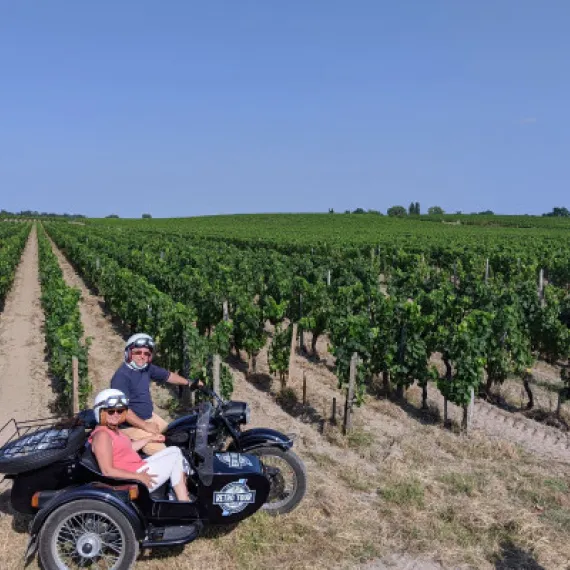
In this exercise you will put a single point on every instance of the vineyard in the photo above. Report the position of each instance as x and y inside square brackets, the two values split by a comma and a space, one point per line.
[438, 316]
[488, 302]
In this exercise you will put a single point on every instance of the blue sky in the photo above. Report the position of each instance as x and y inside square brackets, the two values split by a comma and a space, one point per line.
[182, 108]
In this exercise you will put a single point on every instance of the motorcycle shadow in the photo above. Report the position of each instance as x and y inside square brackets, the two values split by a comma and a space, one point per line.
[20, 522]
[169, 552]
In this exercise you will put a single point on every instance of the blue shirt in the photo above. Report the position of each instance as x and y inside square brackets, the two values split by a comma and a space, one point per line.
[135, 384]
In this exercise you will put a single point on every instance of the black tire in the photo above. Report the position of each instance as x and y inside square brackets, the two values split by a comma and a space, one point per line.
[36, 458]
[95, 522]
[287, 504]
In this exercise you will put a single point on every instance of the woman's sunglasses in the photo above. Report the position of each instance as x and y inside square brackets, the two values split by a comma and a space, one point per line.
[113, 411]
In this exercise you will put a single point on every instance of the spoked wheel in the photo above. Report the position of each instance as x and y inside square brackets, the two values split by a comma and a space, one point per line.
[287, 477]
[87, 534]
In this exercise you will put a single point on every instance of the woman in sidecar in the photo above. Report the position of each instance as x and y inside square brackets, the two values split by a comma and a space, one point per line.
[117, 455]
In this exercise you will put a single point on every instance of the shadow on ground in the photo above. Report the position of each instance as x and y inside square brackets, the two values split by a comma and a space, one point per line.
[20, 522]
[514, 558]
[287, 399]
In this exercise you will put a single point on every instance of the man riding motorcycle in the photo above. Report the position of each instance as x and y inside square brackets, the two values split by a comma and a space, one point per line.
[133, 379]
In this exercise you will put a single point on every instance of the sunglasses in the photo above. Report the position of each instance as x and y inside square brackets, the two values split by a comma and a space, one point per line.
[113, 411]
[141, 352]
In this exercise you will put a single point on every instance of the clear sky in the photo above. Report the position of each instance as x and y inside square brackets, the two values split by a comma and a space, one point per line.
[182, 108]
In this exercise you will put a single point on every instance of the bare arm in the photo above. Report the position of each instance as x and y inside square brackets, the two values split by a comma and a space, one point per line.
[135, 421]
[139, 444]
[103, 450]
[177, 379]
[181, 381]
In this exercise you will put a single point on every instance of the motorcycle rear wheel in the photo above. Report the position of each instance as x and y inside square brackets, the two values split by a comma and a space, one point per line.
[288, 486]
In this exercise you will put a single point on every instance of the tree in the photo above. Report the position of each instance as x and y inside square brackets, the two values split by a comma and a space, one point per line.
[397, 211]
[435, 211]
[112, 216]
[411, 209]
[146, 216]
[359, 211]
[558, 213]
[417, 209]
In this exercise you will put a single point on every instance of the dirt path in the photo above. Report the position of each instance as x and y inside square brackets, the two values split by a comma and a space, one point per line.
[25, 388]
[106, 350]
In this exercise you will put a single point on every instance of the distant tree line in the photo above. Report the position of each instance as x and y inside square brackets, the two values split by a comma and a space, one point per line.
[558, 213]
[36, 214]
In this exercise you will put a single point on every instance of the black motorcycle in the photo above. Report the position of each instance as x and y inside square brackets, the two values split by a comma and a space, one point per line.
[83, 518]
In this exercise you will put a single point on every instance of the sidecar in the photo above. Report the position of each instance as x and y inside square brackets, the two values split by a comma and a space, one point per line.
[81, 517]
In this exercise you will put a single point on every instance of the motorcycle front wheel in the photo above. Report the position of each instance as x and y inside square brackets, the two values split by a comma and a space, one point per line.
[288, 478]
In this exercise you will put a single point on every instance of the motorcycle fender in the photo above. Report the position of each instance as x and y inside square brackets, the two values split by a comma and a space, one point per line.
[89, 492]
[262, 437]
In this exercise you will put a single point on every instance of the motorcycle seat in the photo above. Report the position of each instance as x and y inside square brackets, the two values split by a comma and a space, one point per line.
[89, 461]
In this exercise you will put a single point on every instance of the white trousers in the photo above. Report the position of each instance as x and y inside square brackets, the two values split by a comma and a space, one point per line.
[166, 464]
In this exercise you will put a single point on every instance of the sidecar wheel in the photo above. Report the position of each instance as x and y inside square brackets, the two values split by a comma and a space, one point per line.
[87, 533]
[288, 479]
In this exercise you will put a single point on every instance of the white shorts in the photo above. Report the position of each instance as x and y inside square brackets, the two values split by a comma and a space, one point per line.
[166, 464]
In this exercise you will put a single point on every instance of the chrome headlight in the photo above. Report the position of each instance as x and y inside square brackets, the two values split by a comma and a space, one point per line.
[247, 413]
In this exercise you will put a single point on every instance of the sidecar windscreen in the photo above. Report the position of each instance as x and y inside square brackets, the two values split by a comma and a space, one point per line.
[202, 450]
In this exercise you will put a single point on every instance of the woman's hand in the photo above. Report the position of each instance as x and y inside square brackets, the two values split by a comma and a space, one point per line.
[157, 438]
[151, 427]
[146, 478]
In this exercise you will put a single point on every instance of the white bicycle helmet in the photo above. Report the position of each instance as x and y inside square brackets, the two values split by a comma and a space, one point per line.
[139, 340]
[109, 398]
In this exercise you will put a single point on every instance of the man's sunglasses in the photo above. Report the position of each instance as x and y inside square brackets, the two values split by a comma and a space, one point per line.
[141, 352]
[113, 411]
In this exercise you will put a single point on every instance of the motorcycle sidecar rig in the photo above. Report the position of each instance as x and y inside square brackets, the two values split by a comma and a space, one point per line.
[81, 517]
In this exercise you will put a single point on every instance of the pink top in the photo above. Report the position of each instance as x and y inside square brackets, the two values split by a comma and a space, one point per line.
[124, 456]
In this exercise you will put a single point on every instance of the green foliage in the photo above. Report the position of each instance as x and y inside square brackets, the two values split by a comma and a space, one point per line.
[558, 213]
[63, 328]
[279, 352]
[397, 211]
[13, 238]
[400, 289]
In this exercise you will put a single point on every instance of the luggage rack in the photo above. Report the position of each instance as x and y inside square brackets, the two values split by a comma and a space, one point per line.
[23, 437]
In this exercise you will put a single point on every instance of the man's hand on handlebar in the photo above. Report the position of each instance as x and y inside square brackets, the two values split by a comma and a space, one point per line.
[196, 384]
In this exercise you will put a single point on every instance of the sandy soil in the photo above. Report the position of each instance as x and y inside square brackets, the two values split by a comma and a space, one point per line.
[25, 388]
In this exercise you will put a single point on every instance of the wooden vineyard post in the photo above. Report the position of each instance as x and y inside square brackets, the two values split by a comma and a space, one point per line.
[216, 373]
[333, 414]
[350, 395]
[75, 386]
[541, 287]
[301, 337]
[487, 271]
[329, 278]
[455, 274]
[468, 411]
[304, 389]
[225, 311]
[292, 353]
[185, 394]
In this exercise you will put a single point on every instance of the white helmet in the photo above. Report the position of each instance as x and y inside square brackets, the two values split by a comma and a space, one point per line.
[139, 340]
[108, 398]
